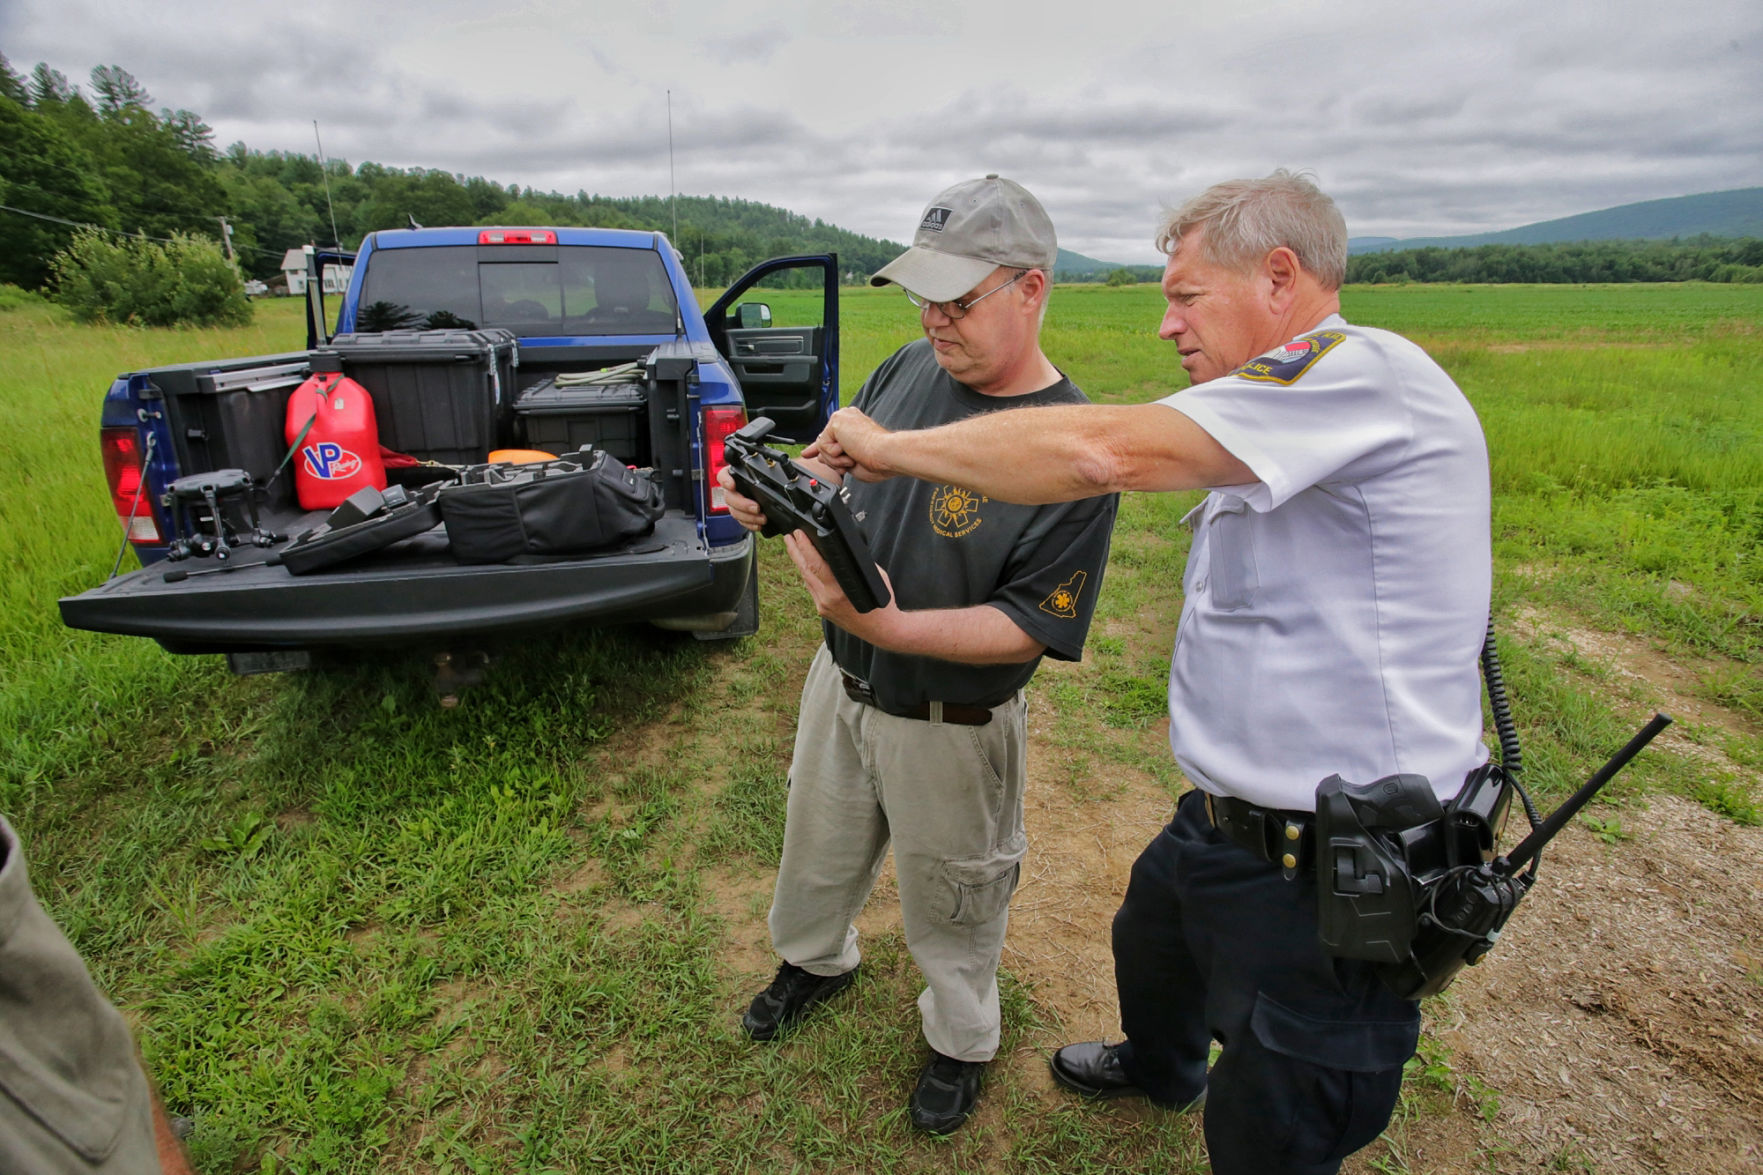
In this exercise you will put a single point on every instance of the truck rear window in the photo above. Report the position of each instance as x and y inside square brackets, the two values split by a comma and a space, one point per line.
[556, 290]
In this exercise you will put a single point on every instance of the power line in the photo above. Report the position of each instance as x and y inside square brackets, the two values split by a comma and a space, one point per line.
[119, 232]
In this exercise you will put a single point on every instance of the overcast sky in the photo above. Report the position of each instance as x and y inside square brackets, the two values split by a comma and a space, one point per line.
[1420, 119]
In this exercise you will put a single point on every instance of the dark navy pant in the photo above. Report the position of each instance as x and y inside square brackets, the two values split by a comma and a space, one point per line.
[1212, 943]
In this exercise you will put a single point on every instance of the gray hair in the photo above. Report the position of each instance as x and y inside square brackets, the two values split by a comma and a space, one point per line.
[1244, 220]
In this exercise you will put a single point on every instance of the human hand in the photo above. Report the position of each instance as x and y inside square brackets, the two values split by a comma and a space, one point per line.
[851, 443]
[741, 508]
[830, 600]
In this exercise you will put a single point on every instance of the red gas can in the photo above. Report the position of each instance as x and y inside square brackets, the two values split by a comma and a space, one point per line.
[330, 421]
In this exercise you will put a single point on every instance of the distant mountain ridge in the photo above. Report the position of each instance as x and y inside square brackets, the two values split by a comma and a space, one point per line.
[1734, 213]
[1077, 263]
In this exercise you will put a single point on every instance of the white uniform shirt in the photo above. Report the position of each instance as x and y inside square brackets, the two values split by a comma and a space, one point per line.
[1335, 608]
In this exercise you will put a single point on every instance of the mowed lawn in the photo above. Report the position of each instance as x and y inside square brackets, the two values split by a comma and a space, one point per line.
[360, 932]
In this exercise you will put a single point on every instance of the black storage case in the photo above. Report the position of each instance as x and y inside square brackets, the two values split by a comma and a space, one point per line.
[613, 417]
[234, 419]
[438, 395]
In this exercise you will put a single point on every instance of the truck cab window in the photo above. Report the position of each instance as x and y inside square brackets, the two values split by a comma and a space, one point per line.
[567, 290]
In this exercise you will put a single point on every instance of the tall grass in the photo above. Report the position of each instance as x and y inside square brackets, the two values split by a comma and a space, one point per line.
[359, 932]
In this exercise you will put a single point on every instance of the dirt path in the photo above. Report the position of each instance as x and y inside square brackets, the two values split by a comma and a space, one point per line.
[1619, 1025]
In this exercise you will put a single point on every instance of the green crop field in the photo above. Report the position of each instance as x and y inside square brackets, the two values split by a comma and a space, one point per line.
[360, 932]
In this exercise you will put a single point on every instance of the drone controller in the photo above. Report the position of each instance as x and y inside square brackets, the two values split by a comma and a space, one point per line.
[795, 499]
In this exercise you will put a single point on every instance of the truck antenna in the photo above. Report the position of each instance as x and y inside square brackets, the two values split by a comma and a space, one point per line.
[325, 171]
[672, 186]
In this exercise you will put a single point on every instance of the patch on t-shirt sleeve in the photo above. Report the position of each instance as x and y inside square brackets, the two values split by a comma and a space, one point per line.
[1062, 601]
[1285, 363]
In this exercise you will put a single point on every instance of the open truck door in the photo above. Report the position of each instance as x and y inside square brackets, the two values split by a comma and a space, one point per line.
[786, 356]
[318, 331]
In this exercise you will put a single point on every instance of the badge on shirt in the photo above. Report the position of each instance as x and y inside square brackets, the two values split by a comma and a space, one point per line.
[1286, 362]
[1063, 600]
[954, 512]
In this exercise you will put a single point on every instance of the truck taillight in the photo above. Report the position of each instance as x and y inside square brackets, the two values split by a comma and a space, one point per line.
[516, 236]
[123, 470]
[718, 424]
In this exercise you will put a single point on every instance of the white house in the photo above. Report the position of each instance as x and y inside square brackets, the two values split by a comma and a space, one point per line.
[336, 277]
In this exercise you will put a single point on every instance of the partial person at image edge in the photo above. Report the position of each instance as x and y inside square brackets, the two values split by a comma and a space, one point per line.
[73, 1097]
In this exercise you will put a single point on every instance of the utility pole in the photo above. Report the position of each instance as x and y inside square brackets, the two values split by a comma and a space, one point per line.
[226, 238]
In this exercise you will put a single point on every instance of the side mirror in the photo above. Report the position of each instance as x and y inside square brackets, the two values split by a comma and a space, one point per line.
[749, 315]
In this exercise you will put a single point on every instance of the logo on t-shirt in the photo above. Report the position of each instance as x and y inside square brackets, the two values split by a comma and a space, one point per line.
[954, 512]
[1286, 362]
[935, 217]
[1063, 601]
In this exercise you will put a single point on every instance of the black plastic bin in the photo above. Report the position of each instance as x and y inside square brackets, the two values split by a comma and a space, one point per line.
[234, 417]
[611, 416]
[438, 395]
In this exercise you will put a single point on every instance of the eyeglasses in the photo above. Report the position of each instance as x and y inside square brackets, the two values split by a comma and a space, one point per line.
[956, 309]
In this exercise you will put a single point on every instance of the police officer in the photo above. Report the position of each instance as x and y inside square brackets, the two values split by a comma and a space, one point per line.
[73, 1098]
[912, 727]
[1335, 598]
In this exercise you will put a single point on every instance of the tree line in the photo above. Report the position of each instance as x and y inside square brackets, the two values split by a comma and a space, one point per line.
[1700, 258]
[106, 159]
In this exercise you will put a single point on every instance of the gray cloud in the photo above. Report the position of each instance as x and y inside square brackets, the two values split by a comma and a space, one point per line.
[1420, 121]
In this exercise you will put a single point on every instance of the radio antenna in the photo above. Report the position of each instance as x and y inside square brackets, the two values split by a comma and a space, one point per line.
[325, 171]
[672, 185]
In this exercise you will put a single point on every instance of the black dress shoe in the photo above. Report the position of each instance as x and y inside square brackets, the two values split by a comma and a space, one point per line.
[792, 995]
[1093, 1069]
[946, 1093]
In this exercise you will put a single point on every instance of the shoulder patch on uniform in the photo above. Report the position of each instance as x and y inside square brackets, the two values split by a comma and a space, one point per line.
[1285, 363]
[1062, 602]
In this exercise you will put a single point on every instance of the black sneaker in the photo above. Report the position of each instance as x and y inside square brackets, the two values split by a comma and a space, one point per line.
[946, 1093]
[791, 996]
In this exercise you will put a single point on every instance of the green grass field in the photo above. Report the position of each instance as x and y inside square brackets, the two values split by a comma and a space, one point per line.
[359, 932]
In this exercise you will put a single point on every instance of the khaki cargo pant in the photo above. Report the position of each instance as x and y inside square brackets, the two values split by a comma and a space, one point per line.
[950, 799]
[73, 1098]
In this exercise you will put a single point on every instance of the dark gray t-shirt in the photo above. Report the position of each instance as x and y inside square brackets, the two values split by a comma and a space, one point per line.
[945, 547]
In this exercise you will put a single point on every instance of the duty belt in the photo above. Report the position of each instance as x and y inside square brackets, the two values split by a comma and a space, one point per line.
[1279, 837]
[957, 713]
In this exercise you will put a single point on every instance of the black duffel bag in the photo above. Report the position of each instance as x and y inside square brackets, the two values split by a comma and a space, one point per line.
[563, 507]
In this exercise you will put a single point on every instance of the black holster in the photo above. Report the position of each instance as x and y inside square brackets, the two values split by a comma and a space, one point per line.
[1403, 881]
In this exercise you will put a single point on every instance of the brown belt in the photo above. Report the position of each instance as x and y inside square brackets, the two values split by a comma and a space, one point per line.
[1276, 836]
[956, 713]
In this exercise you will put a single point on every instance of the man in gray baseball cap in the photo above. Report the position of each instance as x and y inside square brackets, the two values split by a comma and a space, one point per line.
[968, 231]
[912, 724]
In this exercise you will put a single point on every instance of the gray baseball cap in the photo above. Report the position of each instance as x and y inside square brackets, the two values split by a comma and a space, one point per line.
[966, 232]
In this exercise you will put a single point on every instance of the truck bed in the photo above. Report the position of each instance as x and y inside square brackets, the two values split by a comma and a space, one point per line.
[415, 589]
[452, 333]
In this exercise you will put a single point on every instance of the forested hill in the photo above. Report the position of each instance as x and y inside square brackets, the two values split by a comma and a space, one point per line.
[718, 236]
[69, 158]
[102, 157]
[1735, 213]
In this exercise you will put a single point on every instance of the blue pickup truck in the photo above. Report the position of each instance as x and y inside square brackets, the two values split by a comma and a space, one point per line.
[461, 335]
